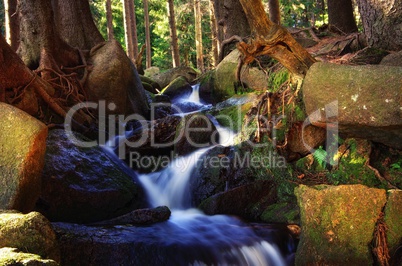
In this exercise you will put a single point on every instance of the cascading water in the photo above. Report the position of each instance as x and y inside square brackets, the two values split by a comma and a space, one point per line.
[216, 240]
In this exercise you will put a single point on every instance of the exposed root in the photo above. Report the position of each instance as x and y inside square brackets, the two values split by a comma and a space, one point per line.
[380, 246]
[378, 174]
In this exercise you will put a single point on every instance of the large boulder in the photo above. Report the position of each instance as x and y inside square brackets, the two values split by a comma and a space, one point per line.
[113, 78]
[247, 201]
[82, 184]
[22, 152]
[12, 257]
[224, 82]
[338, 224]
[30, 233]
[362, 101]
[167, 77]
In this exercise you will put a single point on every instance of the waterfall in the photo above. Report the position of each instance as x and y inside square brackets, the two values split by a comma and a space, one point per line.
[218, 239]
[195, 94]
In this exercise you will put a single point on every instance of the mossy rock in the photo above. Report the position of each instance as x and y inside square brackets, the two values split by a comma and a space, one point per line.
[393, 212]
[177, 88]
[22, 157]
[282, 212]
[13, 257]
[338, 223]
[30, 233]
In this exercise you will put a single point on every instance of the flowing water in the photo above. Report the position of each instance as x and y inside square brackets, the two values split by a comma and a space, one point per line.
[213, 240]
[198, 239]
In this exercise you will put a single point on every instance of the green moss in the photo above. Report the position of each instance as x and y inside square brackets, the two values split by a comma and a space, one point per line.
[232, 117]
[283, 212]
[276, 79]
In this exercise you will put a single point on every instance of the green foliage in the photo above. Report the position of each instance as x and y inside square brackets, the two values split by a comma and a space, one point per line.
[303, 13]
[320, 155]
[277, 78]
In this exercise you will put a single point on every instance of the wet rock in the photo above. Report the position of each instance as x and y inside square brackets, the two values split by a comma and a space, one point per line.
[12, 257]
[167, 77]
[364, 101]
[282, 213]
[247, 201]
[140, 217]
[22, 152]
[150, 147]
[30, 233]
[194, 132]
[177, 88]
[337, 224]
[114, 79]
[393, 211]
[82, 184]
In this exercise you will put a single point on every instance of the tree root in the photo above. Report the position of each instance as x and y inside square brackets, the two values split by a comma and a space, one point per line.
[380, 246]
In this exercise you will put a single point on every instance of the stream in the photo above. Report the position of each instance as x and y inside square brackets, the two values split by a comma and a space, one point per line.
[218, 239]
[189, 237]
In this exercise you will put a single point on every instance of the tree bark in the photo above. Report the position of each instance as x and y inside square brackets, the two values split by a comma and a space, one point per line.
[40, 42]
[11, 24]
[274, 11]
[198, 35]
[130, 29]
[382, 22]
[340, 16]
[147, 36]
[214, 34]
[173, 34]
[83, 35]
[109, 19]
[273, 40]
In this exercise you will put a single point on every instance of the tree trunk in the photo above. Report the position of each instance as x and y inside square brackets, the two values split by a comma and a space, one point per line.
[40, 42]
[147, 36]
[232, 21]
[382, 22]
[11, 24]
[198, 35]
[83, 35]
[130, 29]
[274, 11]
[214, 34]
[109, 19]
[340, 16]
[173, 34]
[273, 40]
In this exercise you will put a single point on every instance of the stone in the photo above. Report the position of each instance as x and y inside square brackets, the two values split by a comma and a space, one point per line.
[140, 217]
[393, 211]
[362, 101]
[114, 79]
[393, 59]
[12, 257]
[179, 87]
[225, 82]
[194, 132]
[30, 233]
[22, 153]
[83, 184]
[247, 201]
[338, 224]
[167, 77]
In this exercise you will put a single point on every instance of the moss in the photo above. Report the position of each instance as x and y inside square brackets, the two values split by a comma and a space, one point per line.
[11, 256]
[283, 212]
[393, 220]
[276, 79]
[232, 117]
[338, 223]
